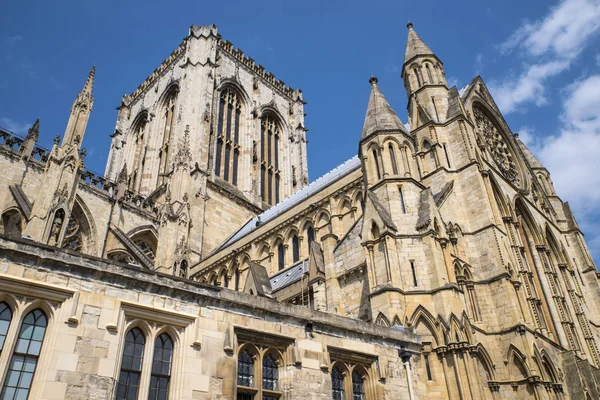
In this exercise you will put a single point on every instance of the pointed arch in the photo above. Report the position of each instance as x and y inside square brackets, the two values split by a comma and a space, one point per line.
[166, 123]
[13, 222]
[232, 103]
[421, 316]
[271, 139]
[486, 361]
[382, 320]
[517, 365]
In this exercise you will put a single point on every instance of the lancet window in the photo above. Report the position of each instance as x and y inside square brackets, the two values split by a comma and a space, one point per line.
[168, 122]
[228, 135]
[270, 174]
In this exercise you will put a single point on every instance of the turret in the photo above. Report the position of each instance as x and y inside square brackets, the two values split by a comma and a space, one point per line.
[385, 144]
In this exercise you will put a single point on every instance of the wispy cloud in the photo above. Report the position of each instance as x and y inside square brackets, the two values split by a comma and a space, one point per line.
[16, 127]
[571, 155]
[12, 40]
[549, 47]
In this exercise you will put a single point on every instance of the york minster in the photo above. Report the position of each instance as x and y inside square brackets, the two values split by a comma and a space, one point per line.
[437, 263]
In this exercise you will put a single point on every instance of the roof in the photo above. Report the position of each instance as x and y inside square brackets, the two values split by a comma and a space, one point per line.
[415, 45]
[301, 195]
[529, 157]
[289, 276]
[382, 211]
[260, 277]
[380, 115]
[453, 104]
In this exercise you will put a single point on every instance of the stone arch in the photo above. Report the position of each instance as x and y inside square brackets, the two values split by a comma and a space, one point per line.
[499, 199]
[421, 316]
[12, 222]
[375, 231]
[517, 364]
[233, 84]
[382, 320]
[80, 232]
[323, 221]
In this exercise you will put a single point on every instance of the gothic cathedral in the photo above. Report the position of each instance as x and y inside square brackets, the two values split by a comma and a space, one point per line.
[438, 263]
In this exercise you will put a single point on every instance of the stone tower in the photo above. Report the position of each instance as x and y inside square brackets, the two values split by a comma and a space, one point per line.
[236, 130]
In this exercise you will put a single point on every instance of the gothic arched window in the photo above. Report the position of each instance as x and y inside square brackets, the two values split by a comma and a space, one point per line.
[161, 368]
[358, 386]
[270, 374]
[228, 135]
[418, 77]
[139, 155]
[376, 161]
[429, 74]
[131, 365]
[393, 159]
[168, 122]
[295, 248]
[337, 385]
[5, 318]
[280, 256]
[270, 134]
[25, 356]
[245, 369]
[310, 232]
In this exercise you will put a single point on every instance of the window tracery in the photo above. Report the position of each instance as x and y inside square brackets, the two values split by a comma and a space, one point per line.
[270, 173]
[497, 146]
[228, 136]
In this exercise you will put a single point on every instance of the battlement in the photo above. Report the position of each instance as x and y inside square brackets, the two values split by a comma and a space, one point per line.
[259, 70]
[156, 73]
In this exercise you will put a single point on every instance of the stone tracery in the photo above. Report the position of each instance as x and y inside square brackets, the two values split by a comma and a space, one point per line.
[497, 146]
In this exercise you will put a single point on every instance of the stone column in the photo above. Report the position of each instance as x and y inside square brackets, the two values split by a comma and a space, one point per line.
[406, 356]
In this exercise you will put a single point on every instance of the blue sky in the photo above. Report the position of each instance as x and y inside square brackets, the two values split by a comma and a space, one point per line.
[541, 60]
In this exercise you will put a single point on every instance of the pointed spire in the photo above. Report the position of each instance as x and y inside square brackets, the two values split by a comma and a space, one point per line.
[415, 45]
[34, 131]
[89, 83]
[380, 115]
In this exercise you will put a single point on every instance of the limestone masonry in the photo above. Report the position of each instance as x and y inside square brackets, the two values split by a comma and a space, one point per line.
[438, 263]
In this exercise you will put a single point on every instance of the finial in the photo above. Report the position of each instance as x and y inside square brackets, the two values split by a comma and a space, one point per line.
[34, 131]
[409, 25]
[373, 80]
[90, 80]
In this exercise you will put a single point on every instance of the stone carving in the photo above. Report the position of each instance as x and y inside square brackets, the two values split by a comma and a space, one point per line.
[497, 146]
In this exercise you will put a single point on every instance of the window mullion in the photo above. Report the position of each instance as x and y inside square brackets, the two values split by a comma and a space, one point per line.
[144, 388]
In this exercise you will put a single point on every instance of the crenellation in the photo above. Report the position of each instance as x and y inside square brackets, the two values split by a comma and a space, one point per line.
[437, 263]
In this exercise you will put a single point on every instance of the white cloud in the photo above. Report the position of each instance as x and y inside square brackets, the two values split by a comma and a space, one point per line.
[571, 156]
[563, 32]
[551, 44]
[529, 86]
[14, 126]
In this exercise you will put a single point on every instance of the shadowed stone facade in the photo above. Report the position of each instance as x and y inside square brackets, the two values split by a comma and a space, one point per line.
[438, 263]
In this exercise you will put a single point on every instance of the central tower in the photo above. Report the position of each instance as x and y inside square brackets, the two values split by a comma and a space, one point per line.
[212, 137]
